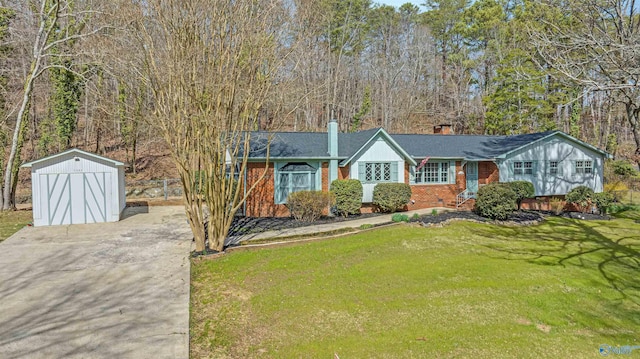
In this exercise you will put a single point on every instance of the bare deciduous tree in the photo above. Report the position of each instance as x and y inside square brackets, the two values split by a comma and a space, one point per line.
[598, 47]
[211, 66]
[48, 13]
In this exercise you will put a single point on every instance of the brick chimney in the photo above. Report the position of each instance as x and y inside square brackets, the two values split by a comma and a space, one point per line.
[443, 129]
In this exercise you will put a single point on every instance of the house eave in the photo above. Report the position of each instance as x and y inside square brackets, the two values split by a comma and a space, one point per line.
[389, 139]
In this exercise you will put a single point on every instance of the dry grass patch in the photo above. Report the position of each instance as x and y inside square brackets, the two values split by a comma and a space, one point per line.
[13, 221]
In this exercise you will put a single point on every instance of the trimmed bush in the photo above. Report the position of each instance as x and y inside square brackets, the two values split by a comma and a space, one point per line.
[390, 197]
[522, 189]
[495, 201]
[307, 206]
[603, 200]
[348, 195]
[399, 217]
[556, 205]
[581, 197]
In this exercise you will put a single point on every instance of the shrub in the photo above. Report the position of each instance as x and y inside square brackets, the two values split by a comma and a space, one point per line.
[581, 197]
[390, 197]
[603, 200]
[366, 226]
[348, 195]
[623, 168]
[556, 205]
[308, 205]
[398, 217]
[496, 201]
[522, 189]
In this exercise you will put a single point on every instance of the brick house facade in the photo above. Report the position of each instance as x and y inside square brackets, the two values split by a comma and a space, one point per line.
[451, 167]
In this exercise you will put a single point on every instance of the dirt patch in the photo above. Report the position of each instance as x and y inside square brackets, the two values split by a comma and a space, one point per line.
[543, 328]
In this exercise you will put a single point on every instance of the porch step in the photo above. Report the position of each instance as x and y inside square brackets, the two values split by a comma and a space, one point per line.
[466, 206]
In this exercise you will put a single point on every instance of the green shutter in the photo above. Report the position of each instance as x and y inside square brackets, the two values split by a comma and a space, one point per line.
[452, 172]
[560, 169]
[534, 168]
[412, 174]
[361, 171]
[394, 171]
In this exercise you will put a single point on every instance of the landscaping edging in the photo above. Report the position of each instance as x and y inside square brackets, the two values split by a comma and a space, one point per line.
[281, 241]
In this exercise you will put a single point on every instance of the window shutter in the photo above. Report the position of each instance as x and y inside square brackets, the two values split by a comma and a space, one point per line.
[510, 170]
[452, 172]
[560, 168]
[361, 171]
[412, 174]
[394, 171]
[534, 168]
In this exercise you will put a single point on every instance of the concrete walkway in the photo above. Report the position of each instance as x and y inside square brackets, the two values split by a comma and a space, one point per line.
[328, 227]
[111, 290]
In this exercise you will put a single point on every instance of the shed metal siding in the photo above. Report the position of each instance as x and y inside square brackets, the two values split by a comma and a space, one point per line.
[565, 153]
[76, 188]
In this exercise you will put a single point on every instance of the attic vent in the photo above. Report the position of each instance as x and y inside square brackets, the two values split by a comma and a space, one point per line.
[77, 164]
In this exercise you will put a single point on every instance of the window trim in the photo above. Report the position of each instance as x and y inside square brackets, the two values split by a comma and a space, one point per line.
[277, 185]
[580, 167]
[420, 176]
[523, 168]
[379, 165]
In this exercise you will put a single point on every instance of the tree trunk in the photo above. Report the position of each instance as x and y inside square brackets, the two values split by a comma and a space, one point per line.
[7, 194]
[632, 116]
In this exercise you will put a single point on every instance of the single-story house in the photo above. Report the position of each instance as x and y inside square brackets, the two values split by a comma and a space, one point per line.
[443, 169]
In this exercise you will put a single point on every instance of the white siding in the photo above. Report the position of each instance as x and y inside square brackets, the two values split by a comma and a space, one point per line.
[565, 153]
[86, 174]
[378, 151]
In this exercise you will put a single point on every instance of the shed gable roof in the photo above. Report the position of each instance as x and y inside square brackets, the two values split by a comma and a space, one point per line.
[75, 152]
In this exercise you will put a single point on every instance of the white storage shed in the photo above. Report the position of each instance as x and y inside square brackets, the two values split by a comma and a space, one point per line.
[74, 187]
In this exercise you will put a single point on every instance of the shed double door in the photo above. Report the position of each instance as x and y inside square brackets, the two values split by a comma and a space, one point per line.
[75, 198]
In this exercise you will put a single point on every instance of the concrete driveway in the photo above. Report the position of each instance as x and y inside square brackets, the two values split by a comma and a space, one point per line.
[114, 290]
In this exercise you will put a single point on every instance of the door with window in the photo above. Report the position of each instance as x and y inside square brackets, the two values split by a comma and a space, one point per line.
[472, 177]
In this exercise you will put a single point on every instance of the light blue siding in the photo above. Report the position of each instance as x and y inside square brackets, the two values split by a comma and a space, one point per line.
[378, 151]
[559, 150]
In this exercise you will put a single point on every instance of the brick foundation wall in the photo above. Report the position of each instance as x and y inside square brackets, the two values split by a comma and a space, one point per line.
[439, 195]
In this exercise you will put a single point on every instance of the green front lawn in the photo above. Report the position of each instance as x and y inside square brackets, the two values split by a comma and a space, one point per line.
[468, 290]
[12, 221]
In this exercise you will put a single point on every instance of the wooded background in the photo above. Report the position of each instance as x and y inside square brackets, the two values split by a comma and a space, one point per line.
[74, 73]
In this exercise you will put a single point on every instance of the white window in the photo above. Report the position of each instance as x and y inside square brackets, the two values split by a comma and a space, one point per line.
[294, 177]
[433, 172]
[584, 166]
[376, 172]
[553, 168]
[523, 168]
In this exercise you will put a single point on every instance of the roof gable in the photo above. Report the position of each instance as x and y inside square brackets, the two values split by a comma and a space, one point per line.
[379, 133]
[562, 135]
[75, 152]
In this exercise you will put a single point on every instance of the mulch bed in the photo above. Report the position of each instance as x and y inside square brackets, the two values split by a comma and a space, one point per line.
[517, 218]
[252, 225]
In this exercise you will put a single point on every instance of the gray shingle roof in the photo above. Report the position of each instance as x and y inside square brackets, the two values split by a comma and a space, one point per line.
[464, 146]
[306, 144]
[314, 144]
